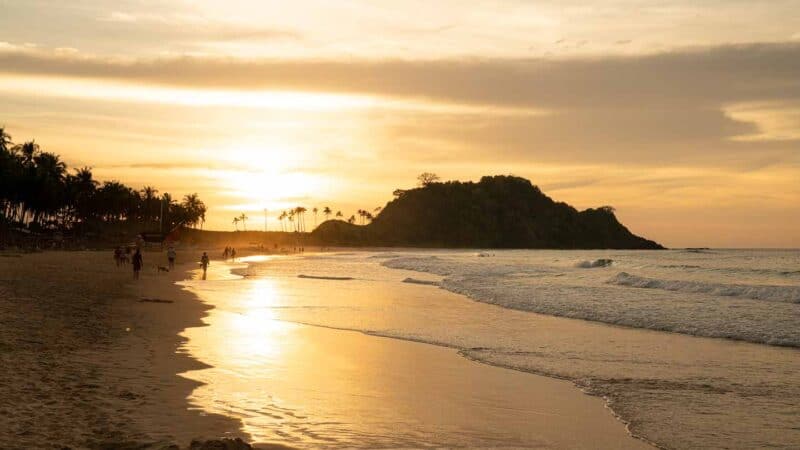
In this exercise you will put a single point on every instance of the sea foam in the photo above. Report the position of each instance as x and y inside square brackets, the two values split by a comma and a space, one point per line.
[760, 314]
[789, 294]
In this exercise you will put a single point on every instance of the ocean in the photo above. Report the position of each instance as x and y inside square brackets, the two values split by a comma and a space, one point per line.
[690, 348]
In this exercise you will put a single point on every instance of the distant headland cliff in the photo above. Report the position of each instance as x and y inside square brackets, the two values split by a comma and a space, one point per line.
[496, 212]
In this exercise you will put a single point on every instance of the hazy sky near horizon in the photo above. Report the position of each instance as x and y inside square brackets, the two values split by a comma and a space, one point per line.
[683, 115]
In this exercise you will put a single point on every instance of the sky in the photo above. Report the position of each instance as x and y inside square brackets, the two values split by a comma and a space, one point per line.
[683, 115]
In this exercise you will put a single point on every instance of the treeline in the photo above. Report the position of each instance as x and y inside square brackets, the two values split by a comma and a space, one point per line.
[38, 193]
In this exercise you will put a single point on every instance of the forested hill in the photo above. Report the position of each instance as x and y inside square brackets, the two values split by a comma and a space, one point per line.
[497, 212]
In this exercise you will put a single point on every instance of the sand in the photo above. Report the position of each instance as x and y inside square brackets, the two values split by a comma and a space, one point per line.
[86, 363]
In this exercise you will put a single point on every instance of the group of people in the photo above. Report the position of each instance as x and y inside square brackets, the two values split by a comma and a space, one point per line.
[123, 256]
[229, 253]
[129, 255]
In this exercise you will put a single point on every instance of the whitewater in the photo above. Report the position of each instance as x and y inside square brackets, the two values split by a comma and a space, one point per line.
[690, 348]
[747, 295]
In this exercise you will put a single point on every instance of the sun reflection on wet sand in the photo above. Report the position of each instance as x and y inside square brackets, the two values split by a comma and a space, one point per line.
[314, 387]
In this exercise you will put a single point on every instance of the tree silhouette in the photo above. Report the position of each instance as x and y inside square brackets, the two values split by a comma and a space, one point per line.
[38, 192]
[236, 222]
[327, 211]
[281, 218]
[425, 179]
[301, 218]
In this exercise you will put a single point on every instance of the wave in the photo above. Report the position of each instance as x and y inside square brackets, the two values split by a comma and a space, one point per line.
[742, 315]
[594, 263]
[319, 277]
[787, 294]
[425, 282]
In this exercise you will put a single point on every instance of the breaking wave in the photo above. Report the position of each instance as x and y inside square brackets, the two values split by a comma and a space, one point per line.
[788, 294]
[595, 263]
[764, 314]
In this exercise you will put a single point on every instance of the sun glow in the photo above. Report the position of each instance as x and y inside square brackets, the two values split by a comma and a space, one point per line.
[270, 178]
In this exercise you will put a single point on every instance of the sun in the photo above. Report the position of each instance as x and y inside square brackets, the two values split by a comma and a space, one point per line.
[271, 178]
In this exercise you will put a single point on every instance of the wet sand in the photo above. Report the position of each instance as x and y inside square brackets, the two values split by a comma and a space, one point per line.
[86, 363]
[315, 387]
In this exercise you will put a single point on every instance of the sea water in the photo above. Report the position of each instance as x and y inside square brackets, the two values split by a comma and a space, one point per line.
[693, 348]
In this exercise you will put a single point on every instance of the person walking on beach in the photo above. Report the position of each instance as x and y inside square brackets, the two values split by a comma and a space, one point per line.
[137, 263]
[204, 262]
[118, 256]
[233, 254]
[171, 255]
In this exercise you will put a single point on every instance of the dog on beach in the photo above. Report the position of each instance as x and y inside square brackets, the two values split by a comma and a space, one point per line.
[162, 269]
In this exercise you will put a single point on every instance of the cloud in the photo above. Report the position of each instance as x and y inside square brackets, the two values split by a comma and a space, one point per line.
[706, 106]
[696, 76]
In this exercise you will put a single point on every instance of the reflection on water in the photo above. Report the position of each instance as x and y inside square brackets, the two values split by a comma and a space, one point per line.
[315, 387]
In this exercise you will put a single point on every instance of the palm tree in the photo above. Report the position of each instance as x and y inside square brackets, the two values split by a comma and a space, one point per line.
[236, 223]
[193, 208]
[339, 214]
[327, 211]
[281, 217]
[244, 219]
[81, 188]
[315, 210]
[37, 191]
[149, 199]
[352, 219]
[301, 218]
[290, 216]
[5, 141]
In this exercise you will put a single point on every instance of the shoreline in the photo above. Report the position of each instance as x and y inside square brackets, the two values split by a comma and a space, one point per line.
[629, 374]
[86, 364]
[533, 384]
[128, 372]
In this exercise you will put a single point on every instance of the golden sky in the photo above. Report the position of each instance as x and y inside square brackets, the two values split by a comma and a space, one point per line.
[684, 115]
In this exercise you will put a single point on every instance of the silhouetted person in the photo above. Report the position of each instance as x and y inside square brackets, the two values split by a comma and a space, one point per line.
[118, 256]
[204, 262]
[171, 255]
[233, 254]
[137, 263]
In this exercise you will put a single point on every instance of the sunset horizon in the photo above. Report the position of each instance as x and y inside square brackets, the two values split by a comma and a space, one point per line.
[689, 132]
[399, 224]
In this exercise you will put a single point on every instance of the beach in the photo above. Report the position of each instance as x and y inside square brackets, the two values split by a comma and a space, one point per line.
[92, 360]
[87, 364]
[343, 350]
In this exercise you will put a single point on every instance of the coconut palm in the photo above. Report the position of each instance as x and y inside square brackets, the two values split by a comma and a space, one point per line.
[301, 218]
[290, 216]
[150, 201]
[327, 211]
[243, 218]
[236, 223]
[37, 191]
[194, 210]
[281, 218]
[339, 214]
[315, 210]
